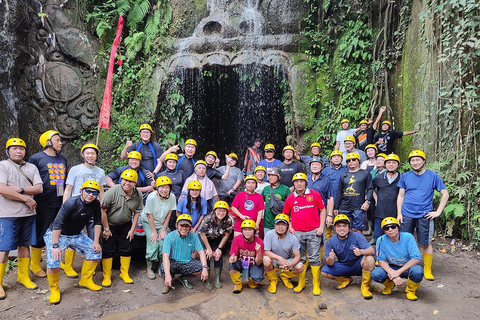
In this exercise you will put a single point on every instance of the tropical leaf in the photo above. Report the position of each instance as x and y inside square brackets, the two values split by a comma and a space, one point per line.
[138, 12]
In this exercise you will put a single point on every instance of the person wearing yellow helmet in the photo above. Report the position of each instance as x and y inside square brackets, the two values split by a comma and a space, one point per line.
[212, 172]
[228, 189]
[260, 173]
[248, 205]
[67, 230]
[214, 233]
[186, 161]
[269, 161]
[159, 207]
[385, 139]
[415, 204]
[379, 164]
[386, 191]
[144, 183]
[194, 204]
[282, 251]
[323, 185]
[315, 150]
[398, 257]
[151, 151]
[177, 258]
[348, 254]
[371, 152]
[307, 213]
[355, 193]
[208, 190]
[350, 148]
[246, 257]
[341, 135]
[17, 210]
[289, 167]
[366, 133]
[252, 156]
[121, 207]
[52, 166]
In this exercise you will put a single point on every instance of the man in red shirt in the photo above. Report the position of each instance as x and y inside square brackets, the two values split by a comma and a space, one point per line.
[307, 215]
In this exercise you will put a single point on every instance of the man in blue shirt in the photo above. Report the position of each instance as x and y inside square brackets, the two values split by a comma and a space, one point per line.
[415, 204]
[348, 254]
[398, 257]
[177, 251]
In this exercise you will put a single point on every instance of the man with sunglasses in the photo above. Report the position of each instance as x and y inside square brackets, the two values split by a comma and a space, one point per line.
[177, 255]
[355, 193]
[398, 257]
[66, 231]
[348, 254]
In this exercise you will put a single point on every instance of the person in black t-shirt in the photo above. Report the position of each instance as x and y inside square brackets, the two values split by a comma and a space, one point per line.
[364, 134]
[289, 167]
[66, 230]
[384, 140]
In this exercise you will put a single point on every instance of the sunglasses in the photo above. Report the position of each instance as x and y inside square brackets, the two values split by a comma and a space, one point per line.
[350, 160]
[393, 227]
[90, 191]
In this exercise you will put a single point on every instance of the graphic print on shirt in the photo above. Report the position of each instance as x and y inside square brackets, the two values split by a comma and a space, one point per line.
[249, 205]
[350, 190]
[56, 172]
[247, 255]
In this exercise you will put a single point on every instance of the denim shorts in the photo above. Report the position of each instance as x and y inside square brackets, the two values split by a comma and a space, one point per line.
[16, 232]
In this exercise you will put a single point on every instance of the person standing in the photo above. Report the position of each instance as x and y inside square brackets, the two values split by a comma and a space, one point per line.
[207, 190]
[150, 150]
[323, 185]
[365, 134]
[350, 148]
[176, 177]
[52, 166]
[384, 140]
[269, 161]
[273, 207]
[341, 135]
[66, 230]
[308, 214]
[210, 159]
[315, 150]
[415, 204]
[186, 163]
[252, 157]
[289, 167]
[398, 257]
[228, 188]
[119, 205]
[260, 173]
[248, 205]
[19, 182]
[155, 217]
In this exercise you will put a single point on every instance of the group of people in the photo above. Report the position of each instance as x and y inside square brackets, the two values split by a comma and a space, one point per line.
[282, 222]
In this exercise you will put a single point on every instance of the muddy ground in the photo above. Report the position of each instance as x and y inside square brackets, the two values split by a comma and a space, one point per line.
[455, 294]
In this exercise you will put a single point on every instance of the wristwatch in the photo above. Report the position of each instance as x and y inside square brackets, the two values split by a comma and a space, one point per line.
[205, 267]
[55, 245]
[22, 191]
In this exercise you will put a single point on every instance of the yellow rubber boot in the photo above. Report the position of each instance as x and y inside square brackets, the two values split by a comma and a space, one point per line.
[365, 287]
[3, 266]
[301, 281]
[286, 275]
[22, 274]
[251, 284]
[107, 272]
[69, 258]
[273, 279]
[411, 289]
[35, 257]
[53, 280]
[237, 282]
[427, 266]
[86, 281]
[124, 267]
[389, 285]
[316, 280]
[344, 282]
[328, 233]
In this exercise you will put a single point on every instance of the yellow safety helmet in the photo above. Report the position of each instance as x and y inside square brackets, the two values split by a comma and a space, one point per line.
[341, 218]
[185, 217]
[211, 153]
[248, 223]
[220, 205]
[194, 185]
[200, 162]
[89, 145]
[363, 121]
[191, 141]
[130, 175]
[163, 181]
[16, 142]
[344, 120]
[315, 144]
[269, 147]
[288, 148]
[349, 138]
[389, 220]
[281, 217]
[91, 184]
[250, 177]
[336, 153]
[145, 126]
[371, 146]
[387, 122]
[382, 155]
[299, 176]
[417, 153]
[260, 168]
[171, 156]
[134, 155]
[47, 135]
[353, 155]
[393, 157]
[233, 155]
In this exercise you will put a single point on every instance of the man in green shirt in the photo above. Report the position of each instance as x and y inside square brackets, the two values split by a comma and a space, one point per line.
[280, 191]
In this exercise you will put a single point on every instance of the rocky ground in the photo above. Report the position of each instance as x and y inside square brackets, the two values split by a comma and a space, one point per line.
[455, 294]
